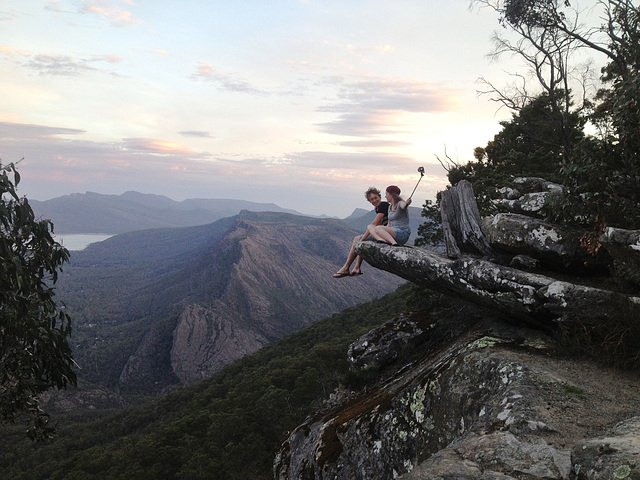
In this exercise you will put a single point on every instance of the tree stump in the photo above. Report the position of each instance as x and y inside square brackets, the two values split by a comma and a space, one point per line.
[461, 222]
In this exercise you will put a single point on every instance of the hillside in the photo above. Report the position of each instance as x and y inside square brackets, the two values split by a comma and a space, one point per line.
[97, 213]
[225, 427]
[163, 307]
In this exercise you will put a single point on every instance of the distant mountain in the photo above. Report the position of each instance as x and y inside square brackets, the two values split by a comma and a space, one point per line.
[97, 213]
[161, 307]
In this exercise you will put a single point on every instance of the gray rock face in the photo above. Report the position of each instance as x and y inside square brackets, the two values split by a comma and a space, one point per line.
[479, 407]
[624, 248]
[529, 195]
[384, 345]
[535, 299]
[204, 342]
[616, 456]
[555, 246]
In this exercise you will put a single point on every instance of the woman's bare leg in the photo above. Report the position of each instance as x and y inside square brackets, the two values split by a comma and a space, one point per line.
[384, 233]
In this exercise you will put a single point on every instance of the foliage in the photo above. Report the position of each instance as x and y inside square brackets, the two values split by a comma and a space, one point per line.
[34, 352]
[615, 343]
[226, 427]
[530, 144]
[430, 231]
[603, 179]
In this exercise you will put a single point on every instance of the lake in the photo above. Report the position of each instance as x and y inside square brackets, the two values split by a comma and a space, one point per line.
[80, 241]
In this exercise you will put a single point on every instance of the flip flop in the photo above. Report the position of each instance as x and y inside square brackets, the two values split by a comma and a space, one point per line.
[341, 275]
[354, 274]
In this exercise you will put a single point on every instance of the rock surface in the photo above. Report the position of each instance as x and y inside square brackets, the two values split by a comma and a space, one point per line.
[488, 399]
[529, 195]
[533, 298]
[557, 247]
[205, 341]
[479, 406]
[624, 248]
[614, 456]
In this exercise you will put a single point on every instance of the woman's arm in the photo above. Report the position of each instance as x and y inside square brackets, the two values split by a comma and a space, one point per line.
[405, 203]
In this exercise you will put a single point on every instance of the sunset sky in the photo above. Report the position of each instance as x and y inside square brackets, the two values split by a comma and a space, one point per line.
[303, 103]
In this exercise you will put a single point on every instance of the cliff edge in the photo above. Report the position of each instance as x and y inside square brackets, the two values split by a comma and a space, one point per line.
[492, 393]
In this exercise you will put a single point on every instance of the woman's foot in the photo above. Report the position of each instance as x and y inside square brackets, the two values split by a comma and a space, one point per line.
[355, 272]
[341, 274]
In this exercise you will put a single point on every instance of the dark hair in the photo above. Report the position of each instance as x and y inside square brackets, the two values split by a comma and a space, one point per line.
[395, 193]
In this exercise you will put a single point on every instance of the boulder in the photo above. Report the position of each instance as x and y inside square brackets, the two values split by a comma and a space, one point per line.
[529, 195]
[624, 248]
[385, 344]
[557, 247]
[616, 456]
[479, 406]
[536, 300]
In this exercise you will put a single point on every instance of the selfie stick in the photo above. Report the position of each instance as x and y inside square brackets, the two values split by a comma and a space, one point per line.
[421, 170]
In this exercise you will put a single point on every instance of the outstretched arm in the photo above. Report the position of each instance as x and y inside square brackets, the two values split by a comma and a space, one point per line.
[405, 203]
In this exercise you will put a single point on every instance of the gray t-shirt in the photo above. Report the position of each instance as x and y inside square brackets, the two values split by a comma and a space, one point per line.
[400, 218]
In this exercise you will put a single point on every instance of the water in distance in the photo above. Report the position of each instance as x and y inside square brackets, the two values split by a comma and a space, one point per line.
[80, 241]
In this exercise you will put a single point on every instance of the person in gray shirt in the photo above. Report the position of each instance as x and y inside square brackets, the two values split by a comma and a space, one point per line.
[397, 232]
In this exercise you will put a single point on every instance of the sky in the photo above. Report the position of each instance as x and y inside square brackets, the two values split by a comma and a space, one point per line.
[301, 103]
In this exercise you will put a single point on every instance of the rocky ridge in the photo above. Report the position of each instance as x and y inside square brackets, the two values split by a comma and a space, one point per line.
[193, 300]
[490, 397]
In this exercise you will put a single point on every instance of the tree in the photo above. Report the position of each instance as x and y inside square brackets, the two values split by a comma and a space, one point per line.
[547, 41]
[601, 171]
[35, 355]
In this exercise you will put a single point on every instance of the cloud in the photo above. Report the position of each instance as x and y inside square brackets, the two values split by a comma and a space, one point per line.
[155, 146]
[160, 52]
[375, 107]
[7, 16]
[195, 133]
[111, 12]
[224, 81]
[362, 122]
[25, 132]
[374, 143]
[59, 65]
[8, 50]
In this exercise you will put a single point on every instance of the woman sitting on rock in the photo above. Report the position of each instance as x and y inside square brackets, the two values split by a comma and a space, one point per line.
[398, 231]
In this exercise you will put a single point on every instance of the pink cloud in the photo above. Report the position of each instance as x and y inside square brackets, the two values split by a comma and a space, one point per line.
[111, 12]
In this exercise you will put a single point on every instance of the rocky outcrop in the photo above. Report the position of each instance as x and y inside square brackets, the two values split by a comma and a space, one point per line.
[481, 406]
[204, 342]
[529, 195]
[488, 400]
[555, 247]
[615, 456]
[624, 247]
[537, 300]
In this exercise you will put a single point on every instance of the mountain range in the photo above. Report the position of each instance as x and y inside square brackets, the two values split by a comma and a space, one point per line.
[132, 211]
[157, 308]
[98, 213]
